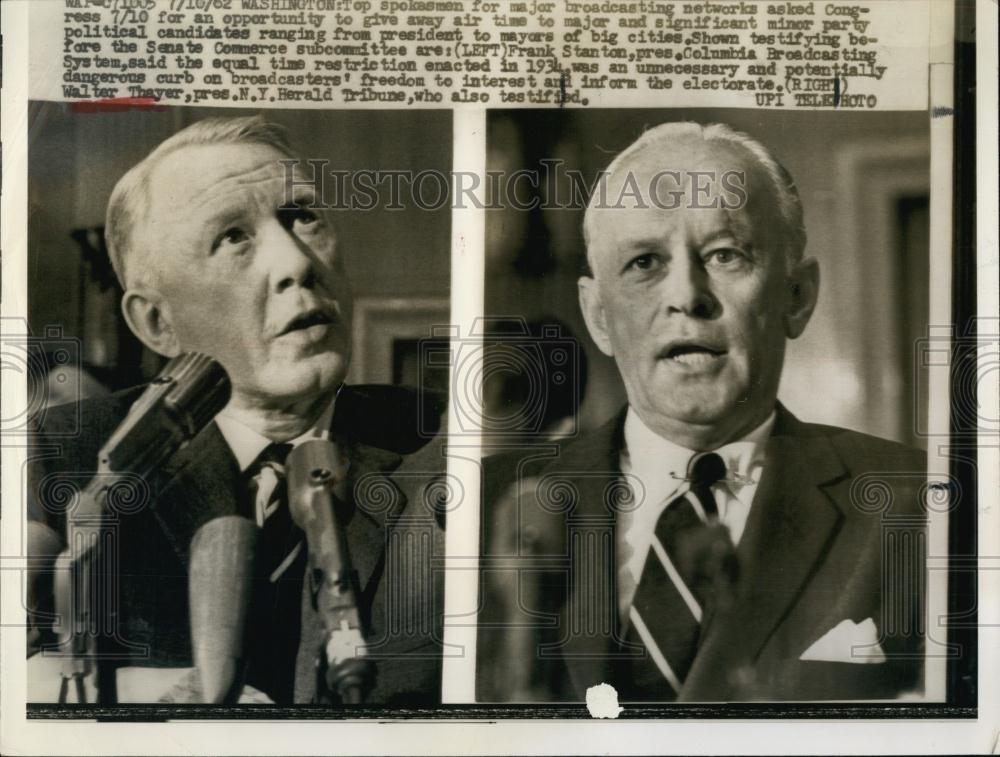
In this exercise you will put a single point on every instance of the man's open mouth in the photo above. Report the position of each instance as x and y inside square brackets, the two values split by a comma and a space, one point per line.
[308, 320]
[692, 354]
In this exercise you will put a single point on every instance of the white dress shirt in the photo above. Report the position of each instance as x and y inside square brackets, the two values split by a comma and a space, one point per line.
[655, 469]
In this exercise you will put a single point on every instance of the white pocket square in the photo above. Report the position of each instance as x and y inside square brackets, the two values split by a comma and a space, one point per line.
[848, 642]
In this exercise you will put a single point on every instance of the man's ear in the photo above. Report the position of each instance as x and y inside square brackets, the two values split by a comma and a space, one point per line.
[149, 318]
[593, 313]
[803, 284]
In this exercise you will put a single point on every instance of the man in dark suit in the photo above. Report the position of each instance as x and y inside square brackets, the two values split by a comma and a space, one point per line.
[216, 257]
[704, 544]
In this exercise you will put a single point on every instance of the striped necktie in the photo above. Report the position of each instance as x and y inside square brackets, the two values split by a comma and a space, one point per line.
[689, 553]
[281, 539]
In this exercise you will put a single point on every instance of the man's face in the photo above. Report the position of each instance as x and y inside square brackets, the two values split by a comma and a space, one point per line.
[694, 302]
[259, 288]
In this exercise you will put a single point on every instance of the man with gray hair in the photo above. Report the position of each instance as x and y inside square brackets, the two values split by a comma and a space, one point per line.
[704, 544]
[219, 253]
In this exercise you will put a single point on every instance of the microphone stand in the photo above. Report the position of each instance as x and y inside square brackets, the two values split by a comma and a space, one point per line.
[86, 609]
[345, 673]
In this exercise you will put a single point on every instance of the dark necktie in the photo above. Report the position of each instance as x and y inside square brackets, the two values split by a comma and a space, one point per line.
[275, 621]
[675, 592]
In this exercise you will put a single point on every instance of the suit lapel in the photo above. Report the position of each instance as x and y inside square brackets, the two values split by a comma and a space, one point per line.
[791, 525]
[589, 618]
[375, 500]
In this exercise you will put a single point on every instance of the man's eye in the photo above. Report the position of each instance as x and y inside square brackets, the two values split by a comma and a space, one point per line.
[299, 216]
[231, 236]
[304, 215]
[643, 263]
[725, 256]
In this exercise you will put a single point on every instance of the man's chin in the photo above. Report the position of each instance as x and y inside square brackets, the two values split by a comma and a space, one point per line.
[699, 420]
[701, 414]
[309, 379]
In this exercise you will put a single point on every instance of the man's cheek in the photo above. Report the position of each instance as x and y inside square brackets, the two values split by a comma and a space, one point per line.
[624, 341]
[635, 313]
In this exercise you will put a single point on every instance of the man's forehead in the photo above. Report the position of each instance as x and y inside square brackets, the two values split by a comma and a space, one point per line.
[704, 186]
[195, 173]
[627, 227]
[675, 164]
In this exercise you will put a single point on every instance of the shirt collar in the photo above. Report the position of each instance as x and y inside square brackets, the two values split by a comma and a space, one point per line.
[745, 456]
[648, 451]
[247, 443]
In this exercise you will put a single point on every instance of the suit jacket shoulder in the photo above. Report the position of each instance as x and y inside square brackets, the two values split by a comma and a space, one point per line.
[868, 462]
[400, 420]
[858, 449]
[394, 418]
[591, 452]
[862, 459]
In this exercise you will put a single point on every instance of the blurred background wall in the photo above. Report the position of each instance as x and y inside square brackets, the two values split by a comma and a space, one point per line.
[864, 182]
[398, 260]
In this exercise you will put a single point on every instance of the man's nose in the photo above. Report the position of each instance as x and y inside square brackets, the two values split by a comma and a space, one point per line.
[686, 286]
[290, 261]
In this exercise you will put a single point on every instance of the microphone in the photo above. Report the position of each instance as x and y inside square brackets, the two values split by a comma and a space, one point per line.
[187, 394]
[220, 583]
[520, 546]
[184, 398]
[313, 469]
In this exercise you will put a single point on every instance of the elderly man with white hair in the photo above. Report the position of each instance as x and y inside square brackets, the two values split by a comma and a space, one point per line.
[705, 544]
[216, 256]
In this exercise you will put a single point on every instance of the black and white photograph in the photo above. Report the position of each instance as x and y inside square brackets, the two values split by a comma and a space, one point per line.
[497, 377]
[189, 265]
[717, 380]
